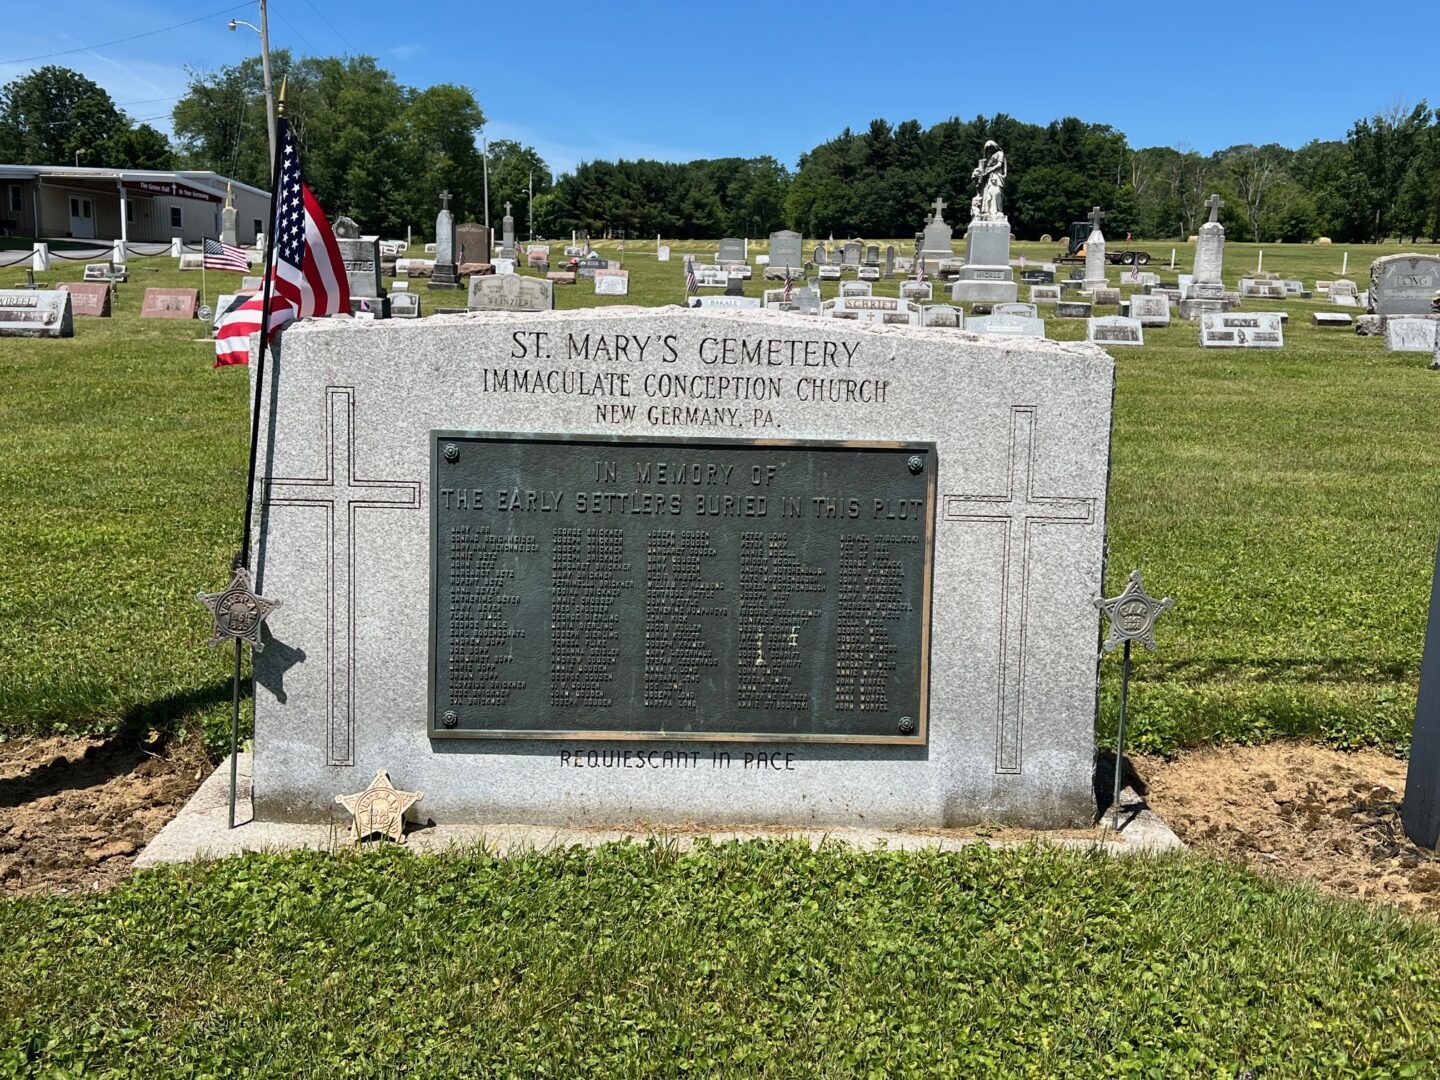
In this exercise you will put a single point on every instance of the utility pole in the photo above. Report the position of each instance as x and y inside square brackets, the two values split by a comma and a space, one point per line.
[530, 207]
[485, 170]
[264, 31]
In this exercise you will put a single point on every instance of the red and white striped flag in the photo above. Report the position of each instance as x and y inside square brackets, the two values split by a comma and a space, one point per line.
[220, 256]
[307, 274]
[692, 285]
[785, 296]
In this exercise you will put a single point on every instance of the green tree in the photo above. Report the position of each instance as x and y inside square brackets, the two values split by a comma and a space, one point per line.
[50, 113]
[513, 168]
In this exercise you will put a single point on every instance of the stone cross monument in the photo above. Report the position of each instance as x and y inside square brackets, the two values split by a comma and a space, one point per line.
[227, 217]
[507, 235]
[1210, 247]
[445, 275]
[1095, 252]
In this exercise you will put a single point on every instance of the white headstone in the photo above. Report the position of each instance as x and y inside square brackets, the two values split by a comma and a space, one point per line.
[1242, 330]
[1409, 335]
[1114, 330]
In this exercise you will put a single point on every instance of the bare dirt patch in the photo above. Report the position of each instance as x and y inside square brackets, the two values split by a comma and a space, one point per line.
[1301, 811]
[74, 812]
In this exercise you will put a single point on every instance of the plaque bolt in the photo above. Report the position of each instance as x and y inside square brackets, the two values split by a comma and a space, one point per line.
[449, 719]
[907, 726]
[452, 452]
[916, 463]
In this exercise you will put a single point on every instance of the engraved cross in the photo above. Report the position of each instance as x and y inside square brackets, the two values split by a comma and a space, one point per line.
[939, 205]
[1214, 203]
[1019, 511]
[340, 493]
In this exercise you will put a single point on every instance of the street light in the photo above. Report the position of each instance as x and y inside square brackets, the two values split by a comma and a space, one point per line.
[264, 31]
[77, 156]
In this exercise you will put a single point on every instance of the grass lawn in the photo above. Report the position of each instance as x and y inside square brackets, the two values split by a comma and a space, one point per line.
[763, 959]
[1287, 500]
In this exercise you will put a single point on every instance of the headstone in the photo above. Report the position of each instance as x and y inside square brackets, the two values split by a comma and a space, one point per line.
[917, 290]
[1342, 293]
[610, 282]
[252, 282]
[1250, 288]
[837, 257]
[662, 253]
[821, 258]
[169, 303]
[88, 298]
[1210, 245]
[1105, 297]
[36, 313]
[223, 305]
[560, 277]
[413, 268]
[829, 273]
[510, 292]
[1016, 308]
[1150, 310]
[1032, 275]
[538, 253]
[361, 256]
[740, 587]
[889, 261]
[1242, 330]
[1095, 253]
[1206, 290]
[1294, 287]
[1114, 330]
[1323, 287]
[227, 217]
[730, 302]
[936, 240]
[868, 273]
[105, 272]
[943, 316]
[872, 255]
[1072, 309]
[1006, 325]
[1404, 284]
[732, 250]
[445, 275]
[1409, 335]
[888, 310]
[1420, 810]
[192, 260]
[473, 242]
[904, 264]
[1044, 294]
[712, 277]
[1332, 319]
[503, 266]
[1194, 310]
[587, 266]
[851, 255]
[404, 305]
[507, 234]
[856, 288]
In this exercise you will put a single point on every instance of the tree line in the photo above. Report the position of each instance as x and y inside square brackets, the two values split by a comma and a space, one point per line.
[381, 152]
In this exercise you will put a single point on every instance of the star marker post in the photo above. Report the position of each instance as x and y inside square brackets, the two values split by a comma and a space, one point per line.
[1132, 617]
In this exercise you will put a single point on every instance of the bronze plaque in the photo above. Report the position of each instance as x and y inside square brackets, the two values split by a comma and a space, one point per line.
[626, 588]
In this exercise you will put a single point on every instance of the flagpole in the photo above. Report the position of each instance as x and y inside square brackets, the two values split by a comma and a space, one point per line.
[243, 556]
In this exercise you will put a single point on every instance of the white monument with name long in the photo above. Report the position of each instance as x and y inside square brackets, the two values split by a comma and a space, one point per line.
[758, 568]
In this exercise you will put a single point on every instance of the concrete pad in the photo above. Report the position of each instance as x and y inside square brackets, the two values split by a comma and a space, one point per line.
[200, 831]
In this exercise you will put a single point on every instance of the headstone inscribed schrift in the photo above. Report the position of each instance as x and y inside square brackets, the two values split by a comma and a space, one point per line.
[873, 309]
[1114, 330]
[36, 313]
[1242, 330]
[510, 292]
[1404, 284]
[1420, 812]
[926, 483]
[88, 298]
[169, 303]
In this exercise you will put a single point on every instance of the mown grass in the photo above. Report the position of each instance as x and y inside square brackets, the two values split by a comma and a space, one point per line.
[762, 959]
[1287, 500]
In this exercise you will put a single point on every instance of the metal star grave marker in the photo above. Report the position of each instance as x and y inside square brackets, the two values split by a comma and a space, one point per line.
[380, 808]
[1132, 614]
[238, 611]
[1132, 617]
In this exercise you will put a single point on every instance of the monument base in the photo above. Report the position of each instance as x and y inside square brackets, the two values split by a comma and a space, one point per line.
[444, 277]
[987, 243]
[984, 291]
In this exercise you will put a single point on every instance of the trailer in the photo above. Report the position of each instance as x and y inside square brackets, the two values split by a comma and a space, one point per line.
[1080, 232]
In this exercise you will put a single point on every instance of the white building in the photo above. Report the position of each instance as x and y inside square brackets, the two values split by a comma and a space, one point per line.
[49, 201]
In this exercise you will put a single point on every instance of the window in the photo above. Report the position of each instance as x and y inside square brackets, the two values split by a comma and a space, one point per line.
[74, 206]
[129, 211]
[177, 218]
[16, 203]
[259, 226]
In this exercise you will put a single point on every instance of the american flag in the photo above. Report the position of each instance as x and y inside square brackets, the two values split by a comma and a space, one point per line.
[691, 284]
[306, 273]
[785, 295]
[220, 256]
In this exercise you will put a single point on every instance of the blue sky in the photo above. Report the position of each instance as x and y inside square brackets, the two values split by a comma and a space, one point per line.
[733, 77]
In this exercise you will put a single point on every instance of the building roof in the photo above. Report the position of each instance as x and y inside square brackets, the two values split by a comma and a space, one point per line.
[203, 179]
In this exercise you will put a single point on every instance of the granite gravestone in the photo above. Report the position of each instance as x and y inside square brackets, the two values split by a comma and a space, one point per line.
[36, 313]
[612, 282]
[942, 315]
[649, 614]
[1114, 330]
[1095, 253]
[785, 254]
[1150, 310]
[1006, 325]
[1404, 284]
[874, 309]
[445, 274]
[88, 298]
[1415, 334]
[510, 292]
[1044, 294]
[850, 255]
[472, 244]
[1242, 330]
[724, 302]
[936, 240]
[917, 290]
[405, 305]
[1210, 246]
[361, 255]
[732, 250]
[1420, 812]
[169, 303]
[856, 288]
[507, 234]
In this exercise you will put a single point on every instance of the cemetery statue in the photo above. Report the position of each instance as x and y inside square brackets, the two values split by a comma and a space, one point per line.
[989, 177]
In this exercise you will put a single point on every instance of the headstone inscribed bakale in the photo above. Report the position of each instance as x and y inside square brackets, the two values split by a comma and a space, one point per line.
[978, 443]
[724, 302]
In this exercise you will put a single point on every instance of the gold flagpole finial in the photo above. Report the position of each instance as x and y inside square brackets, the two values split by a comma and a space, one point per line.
[280, 106]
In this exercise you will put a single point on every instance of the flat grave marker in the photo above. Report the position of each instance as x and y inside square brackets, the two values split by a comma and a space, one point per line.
[169, 303]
